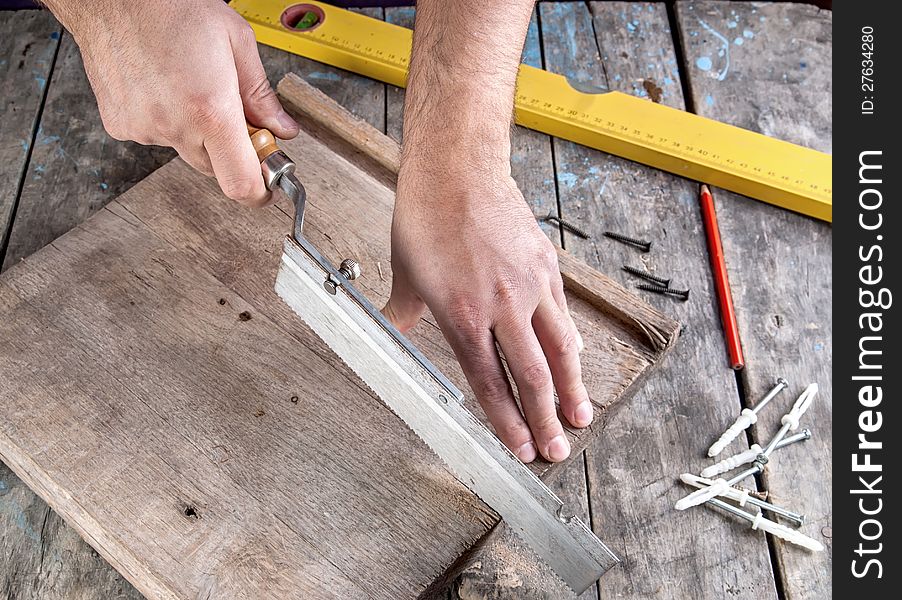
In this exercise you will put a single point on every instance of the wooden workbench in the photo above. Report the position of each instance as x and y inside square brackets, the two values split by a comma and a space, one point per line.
[763, 67]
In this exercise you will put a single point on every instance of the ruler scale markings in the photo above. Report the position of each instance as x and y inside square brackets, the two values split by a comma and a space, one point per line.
[739, 160]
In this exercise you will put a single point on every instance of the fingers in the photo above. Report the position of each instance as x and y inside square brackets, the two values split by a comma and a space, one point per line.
[475, 349]
[196, 156]
[558, 338]
[261, 105]
[404, 307]
[530, 369]
[232, 155]
[557, 290]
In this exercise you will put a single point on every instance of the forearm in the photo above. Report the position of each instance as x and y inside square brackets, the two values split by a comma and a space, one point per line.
[462, 80]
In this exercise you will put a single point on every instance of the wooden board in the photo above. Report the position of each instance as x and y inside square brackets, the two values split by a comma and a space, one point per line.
[664, 430]
[212, 391]
[74, 168]
[28, 45]
[779, 262]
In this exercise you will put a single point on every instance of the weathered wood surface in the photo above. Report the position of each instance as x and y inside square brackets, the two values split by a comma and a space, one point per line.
[249, 461]
[193, 233]
[41, 557]
[75, 168]
[779, 262]
[28, 45]
[664, 430]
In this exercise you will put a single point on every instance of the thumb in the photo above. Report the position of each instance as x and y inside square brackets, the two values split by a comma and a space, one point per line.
[404, 307]
[261, 105]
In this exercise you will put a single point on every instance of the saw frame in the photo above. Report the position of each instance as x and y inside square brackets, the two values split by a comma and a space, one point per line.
[417, 392]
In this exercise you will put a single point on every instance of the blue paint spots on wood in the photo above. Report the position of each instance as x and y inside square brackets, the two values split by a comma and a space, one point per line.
[55, 35]
[703, 63]
[738, 41]
[709, 100]
[568, 179]
[731, 24]
[104, 185]
[748, 33]
[725, 53]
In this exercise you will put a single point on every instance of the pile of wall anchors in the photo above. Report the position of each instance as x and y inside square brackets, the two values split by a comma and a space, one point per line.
[714, 492]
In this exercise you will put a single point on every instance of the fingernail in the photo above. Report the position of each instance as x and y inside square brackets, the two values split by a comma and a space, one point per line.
[579, 342]
[287, 122]
[526, 452]
[558, 449]
[583, 414]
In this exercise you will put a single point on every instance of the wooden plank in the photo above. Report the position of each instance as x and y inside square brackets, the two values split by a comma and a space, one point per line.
[633, 468]
[71, 145]
[28, 45]
[40, 556]
[778, 83]
[203, 256]
[224, 442]
[75, 167]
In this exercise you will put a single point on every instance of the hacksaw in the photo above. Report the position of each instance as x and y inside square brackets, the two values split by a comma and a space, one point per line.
[742, 161]
[415, 390]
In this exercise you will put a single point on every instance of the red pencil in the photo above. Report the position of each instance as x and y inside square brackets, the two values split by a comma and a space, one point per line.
[721, 282]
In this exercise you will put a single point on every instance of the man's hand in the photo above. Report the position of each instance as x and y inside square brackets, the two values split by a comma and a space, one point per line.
[180, 73]
[465, 243]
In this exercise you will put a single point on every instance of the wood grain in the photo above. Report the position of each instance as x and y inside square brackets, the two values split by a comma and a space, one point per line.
[780, 262]
[28, 45]
[75, 167]
[664, 430]
[225, 441]
[209, 376]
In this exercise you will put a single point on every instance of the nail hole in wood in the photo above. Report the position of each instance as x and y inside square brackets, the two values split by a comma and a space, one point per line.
[244, 316]
[294, 399]
[191, 512]
[222, 301]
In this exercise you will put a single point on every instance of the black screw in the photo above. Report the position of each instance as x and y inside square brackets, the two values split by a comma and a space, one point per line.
[646, 275]
[642, 245]
[578, 231]
[660, 289]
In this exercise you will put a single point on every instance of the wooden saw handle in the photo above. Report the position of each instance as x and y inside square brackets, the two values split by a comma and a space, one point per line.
[264, 142]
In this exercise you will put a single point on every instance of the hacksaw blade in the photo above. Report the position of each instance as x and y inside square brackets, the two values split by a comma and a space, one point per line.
[431, 406]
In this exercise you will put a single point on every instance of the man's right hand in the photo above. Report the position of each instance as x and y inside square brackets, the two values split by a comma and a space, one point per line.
[180, 73]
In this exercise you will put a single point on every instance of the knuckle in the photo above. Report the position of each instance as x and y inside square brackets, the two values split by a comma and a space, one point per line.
[206, 109]
[114, 126]
[548, 255]
[244, 33]
[536, 377]
[240, 189]
[465, 314]
[260, 91]
[492, 390]
[506, 292]
[566, 343]
[546, 424]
